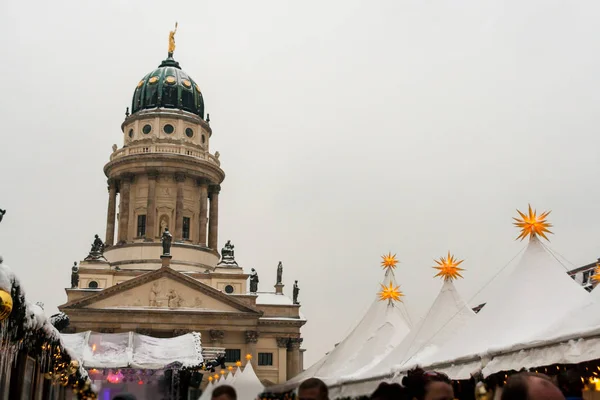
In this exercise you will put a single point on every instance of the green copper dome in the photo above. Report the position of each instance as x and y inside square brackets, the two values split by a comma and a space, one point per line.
[169, 87]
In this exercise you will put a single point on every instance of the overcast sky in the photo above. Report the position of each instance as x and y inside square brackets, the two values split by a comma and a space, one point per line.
[346, 128]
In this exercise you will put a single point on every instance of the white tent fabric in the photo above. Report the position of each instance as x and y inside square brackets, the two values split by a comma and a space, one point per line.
[247, 385]
[447, 315]
[207, 394]
[573, 339]
[381, 329]
[536, 295]
[132, 350]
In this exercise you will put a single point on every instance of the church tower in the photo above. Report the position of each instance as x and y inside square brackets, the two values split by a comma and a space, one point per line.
[165, 176]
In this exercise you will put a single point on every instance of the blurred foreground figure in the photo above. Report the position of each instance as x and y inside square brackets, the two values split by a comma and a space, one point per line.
[528, 386]
[224, 392]
[313, 389]
[124, 396]
[571, 385]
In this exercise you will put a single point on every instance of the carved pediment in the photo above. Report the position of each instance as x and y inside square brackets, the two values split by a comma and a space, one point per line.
[163, 293]
[162, 289]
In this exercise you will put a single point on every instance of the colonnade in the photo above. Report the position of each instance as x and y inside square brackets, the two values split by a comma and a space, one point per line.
[209, 204]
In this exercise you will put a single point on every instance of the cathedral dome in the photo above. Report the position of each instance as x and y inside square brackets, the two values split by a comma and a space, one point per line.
[168, 86]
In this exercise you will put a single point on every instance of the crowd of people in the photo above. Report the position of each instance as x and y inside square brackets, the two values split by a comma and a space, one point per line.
[419, 384]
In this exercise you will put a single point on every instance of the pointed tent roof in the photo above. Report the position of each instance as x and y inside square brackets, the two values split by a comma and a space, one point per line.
[247, 385]
[446, 316]
[384, 326]
[536, 295]
[207, 394]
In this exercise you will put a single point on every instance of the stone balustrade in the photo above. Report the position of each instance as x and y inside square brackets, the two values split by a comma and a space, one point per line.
[163, 148]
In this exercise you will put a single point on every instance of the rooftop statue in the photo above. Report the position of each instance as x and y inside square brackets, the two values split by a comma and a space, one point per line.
[2, 212]
[172, 41]
[74, 276]
[97, 251]
[253, 281]
[166, 240]
[279, 273]
[296, 292]
[227, 256]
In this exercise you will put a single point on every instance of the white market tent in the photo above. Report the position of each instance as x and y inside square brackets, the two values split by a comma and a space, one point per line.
[537, 295]
[381, 329]
[572, 340]
[246, 384]
[447, 315]
[132, 350]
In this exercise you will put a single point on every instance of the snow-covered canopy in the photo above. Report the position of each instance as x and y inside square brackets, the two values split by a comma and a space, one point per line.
[571, 340]
[381, 329]
[536, 295]
[447, 315]
[132, 350]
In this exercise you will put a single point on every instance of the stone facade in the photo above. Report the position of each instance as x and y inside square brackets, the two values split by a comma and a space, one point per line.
[164, 176]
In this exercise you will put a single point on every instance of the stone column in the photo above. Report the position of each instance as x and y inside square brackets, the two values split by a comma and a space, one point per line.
[282, 344]
[213, 220]
[151, 207]
[251, 340]
[293, 355]
[110, 217]
[202, 220]
[124, 208]
[180, 179]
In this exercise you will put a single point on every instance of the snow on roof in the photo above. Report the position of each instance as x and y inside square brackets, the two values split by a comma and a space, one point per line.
[382, 328]
[273, 299]
[536, 295]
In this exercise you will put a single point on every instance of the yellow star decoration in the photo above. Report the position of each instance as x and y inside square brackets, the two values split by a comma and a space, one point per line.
[389, 261]
[532, 224]
[390, 293]
[230, 368]
[248, 356]
[596, 276]
[238, 363]
[210, 378]
[448, 267]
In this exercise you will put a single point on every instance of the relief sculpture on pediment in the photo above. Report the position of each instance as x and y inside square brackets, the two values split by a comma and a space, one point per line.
[174, 299]
[154, 295]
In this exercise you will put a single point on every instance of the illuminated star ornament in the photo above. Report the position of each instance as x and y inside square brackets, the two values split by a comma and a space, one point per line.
[248, 356]
[596, 276]
[391, 293]
[389, 262]
[532, 224]
[448, 267]
[238, 363]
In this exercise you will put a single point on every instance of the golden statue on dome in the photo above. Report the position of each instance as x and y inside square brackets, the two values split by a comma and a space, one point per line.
[172, 41]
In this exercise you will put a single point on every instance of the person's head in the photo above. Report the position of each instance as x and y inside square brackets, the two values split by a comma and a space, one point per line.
[313, 389]
[388, 391]
[224, 392]
[529, 386]
[570, 383]
[427, 385]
